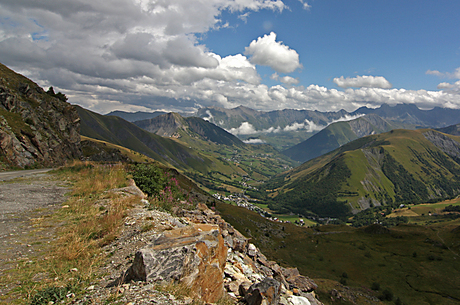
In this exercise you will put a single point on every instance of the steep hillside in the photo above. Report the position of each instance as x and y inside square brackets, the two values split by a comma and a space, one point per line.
[37, 128]
[338, 134]
[236, 166]
[116, 130]
[400, 166]
[174, 125]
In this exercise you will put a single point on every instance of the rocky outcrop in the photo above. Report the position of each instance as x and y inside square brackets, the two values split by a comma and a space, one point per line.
[209, 256]
[193, 255]
[444, 143]
[36, 128]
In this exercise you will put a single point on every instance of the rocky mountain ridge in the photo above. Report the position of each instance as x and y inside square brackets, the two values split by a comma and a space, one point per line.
[173, 125]
[36, 129]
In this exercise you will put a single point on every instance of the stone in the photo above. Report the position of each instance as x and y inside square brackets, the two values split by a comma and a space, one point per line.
[252, 250]
[295, 280]
[194, 256]
[266, 292]
[297, 300]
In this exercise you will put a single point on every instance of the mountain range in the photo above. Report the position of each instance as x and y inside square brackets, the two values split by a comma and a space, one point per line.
[284, 129]
[392, 168]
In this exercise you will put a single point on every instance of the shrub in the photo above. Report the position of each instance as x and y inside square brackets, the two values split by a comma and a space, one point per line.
[149, 178]
[49, 295]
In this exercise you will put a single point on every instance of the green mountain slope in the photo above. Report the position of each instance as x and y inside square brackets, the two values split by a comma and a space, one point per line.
[338, 134]
[118, 131]
[400, 166]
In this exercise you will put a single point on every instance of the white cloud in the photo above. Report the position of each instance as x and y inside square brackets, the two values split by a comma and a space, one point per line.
[306, 6]
[365, 81]
[254, 141]
[309, 126]
[445, 86]
[266, 51]
[124, 49]
[347, 118]
[288, 80]
[210, 118]
[455, 74]
[244, 129]
[145, 55]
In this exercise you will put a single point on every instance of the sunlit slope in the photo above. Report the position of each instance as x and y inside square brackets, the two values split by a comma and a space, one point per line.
[340, 133]
[401, 166]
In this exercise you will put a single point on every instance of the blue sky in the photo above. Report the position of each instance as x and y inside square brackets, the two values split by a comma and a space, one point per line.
[179, 55]
[399, 40]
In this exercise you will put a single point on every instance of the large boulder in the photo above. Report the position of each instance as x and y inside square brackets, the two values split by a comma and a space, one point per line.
[194, 256]
[266, 292]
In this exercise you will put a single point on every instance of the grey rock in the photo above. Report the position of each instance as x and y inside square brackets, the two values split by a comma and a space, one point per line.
[264, 293]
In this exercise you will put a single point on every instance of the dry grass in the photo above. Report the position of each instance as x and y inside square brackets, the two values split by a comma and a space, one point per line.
[92, 218]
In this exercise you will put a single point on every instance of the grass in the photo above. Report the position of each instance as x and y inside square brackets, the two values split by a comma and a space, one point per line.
[425, 213]
[92, 218]
[418, 264]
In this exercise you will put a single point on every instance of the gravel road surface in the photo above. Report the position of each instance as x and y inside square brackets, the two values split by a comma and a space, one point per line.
[22, 202]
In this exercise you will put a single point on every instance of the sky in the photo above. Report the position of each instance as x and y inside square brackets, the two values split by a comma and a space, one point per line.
[181, 55]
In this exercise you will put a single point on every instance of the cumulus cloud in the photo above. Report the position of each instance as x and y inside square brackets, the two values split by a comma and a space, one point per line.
[445, 86]
[122, 49]
[244, 129]
[365, 81]
[309, 126]
[145, 55]
[288, 80]
[266, 51]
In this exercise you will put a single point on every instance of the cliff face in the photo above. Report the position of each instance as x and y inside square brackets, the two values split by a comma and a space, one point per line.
[36, 128]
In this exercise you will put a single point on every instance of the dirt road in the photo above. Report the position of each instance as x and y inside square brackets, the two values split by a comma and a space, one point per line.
[24, 201]
[23, 173]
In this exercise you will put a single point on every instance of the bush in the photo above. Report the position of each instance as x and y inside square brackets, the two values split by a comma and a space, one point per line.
[49, 295]
[149, 178]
